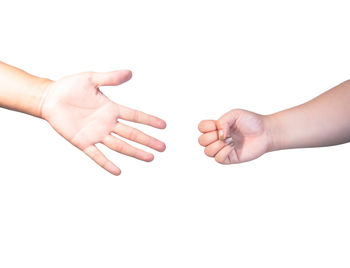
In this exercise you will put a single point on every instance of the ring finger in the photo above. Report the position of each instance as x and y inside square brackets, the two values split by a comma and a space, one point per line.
[136, 135]
[212, 149]
[125, 148]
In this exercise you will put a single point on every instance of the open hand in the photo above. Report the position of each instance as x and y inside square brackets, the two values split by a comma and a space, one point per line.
[238, 136]
[77, 109]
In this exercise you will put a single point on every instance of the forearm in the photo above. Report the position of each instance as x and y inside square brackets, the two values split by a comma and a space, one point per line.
[323, 121]
[21, 91]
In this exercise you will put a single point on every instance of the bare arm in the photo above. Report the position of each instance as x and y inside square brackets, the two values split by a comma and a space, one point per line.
[21, 91]
[323, 121]
[240, 135]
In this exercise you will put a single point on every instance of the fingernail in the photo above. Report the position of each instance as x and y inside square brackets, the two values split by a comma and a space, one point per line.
[228, 140]
[221, 135]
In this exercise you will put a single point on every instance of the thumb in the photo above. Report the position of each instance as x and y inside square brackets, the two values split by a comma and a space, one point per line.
[111, 78]
[224, 123]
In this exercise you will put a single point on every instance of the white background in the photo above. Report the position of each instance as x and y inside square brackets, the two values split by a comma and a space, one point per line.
[191, 60]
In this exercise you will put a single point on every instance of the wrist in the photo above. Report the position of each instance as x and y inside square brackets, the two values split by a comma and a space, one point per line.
[43, 88]
[273, 130]
[21, 91]
[29, 95]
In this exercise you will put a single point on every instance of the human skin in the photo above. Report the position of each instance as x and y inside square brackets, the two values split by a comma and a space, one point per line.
[77, 109]
[239, 135]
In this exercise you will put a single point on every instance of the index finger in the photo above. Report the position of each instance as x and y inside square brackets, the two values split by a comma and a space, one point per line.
[140, 117]
[207, 126]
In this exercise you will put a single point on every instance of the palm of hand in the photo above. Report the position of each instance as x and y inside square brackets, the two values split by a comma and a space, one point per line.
[244, 137]
[79, 111]
[82, 114]
[249, 138]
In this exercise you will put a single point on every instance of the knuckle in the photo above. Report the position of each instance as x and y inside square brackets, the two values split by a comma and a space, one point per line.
[89, 75]
[136, 115]
[94, 155]
[235, 111]
[133, 134]
[136, 153]
[120, 147]
[116, 145]
[104, 163]
[149, 141]
[150, 120]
